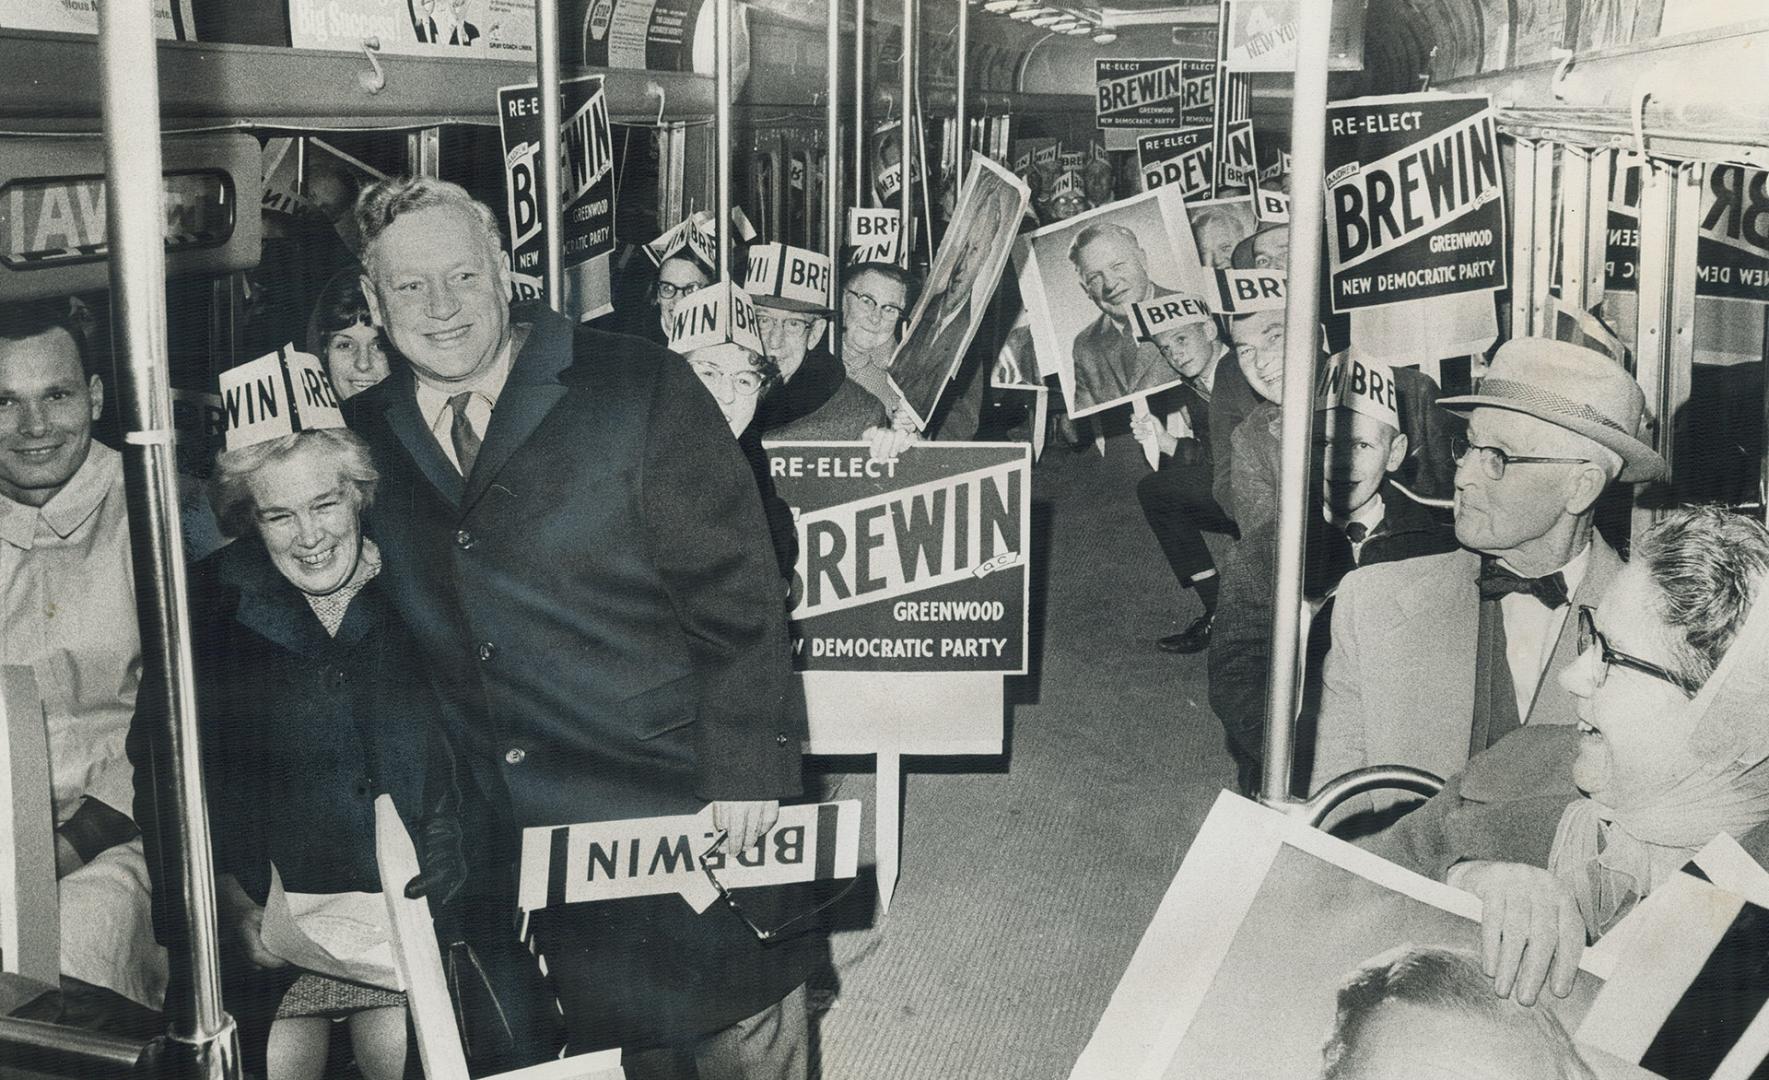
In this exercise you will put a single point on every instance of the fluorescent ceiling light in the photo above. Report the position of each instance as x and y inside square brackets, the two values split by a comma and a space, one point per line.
[1105, 37]
[1024, 14]
[1000, 6]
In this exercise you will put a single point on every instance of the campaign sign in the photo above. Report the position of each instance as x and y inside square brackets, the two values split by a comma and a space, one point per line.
[873, 235]
[280, 393]
[586, 183]
[1415, 202]
[1241, 291]
[613, 860]
[1186, 159]
[912, 564]
[1154, 94]
[1732, 251]
[1271, 207]
[1237, 164]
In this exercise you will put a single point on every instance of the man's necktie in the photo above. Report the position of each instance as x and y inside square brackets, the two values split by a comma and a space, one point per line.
[1495, 582]
[461, 433]
[1356, 532]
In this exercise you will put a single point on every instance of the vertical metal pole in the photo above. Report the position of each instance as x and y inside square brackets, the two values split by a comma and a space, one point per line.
[861, 62]
[546, 58]
[906, 138]
[1542, 254]
[1653, 277]
[722, 128]
[1688, 184]
[423, 152]
[832, 173]
[961, 115]
[1597, 236]
[1577, 216]
[1308, 139]
[196, 1026]
[1523, 237]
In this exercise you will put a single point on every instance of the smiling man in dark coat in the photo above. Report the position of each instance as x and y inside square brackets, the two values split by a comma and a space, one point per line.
[578, 544]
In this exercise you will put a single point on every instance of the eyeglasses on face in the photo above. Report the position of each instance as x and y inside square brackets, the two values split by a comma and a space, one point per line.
[1494, 461]
[1590, 636]
[747, 383]
[669, 290]
[767, 324]
[786, 929]
[872, 305]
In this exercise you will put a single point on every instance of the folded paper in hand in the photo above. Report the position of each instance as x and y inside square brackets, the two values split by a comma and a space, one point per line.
[343, 935]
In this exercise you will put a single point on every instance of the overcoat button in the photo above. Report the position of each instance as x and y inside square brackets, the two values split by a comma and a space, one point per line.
[487, 650]
[464, 540]
[515, 755]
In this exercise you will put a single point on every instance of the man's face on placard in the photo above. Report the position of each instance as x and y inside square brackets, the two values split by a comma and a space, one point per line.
[1114, 272]
[47, 408]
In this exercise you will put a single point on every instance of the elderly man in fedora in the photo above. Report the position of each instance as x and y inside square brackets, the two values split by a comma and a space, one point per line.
[1433, 659]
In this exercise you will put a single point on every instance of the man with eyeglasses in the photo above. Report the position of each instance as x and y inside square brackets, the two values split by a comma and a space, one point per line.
[815, 400]
[874, 300]
[1434, 659]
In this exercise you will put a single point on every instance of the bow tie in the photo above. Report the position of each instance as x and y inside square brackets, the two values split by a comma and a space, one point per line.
[1495, 582]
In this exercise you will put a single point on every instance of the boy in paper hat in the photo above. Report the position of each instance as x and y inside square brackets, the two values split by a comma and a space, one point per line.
[1436, 658]
[1356, 517]
[1178, 498]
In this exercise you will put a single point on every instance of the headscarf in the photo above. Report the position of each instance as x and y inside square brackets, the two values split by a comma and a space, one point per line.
[1611, 857]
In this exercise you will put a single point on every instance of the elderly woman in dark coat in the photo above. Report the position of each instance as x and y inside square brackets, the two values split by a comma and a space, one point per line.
[313, 703]
[1561, 830]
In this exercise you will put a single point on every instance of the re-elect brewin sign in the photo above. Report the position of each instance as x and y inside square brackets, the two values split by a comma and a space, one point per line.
[1415, 204]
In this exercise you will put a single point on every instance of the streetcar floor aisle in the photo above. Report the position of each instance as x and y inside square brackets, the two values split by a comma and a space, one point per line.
[1027, 880]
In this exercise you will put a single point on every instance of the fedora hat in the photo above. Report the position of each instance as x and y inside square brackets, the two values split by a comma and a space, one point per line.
[1572, 387]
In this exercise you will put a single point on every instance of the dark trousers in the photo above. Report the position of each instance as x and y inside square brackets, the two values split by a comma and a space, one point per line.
[1179, 507]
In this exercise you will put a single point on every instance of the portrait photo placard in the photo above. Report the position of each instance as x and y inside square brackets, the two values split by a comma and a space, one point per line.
[1080, 278]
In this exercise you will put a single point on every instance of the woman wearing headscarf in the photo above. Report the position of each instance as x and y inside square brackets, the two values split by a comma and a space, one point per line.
[1562, 830]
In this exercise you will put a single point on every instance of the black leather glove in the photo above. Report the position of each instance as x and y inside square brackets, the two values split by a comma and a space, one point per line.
[442, 855]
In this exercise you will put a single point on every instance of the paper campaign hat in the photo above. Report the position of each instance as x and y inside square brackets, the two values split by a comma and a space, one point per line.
[783, 276]
[1239, 292]
[715, 315]
[1163, 313]
[699, 233]
[1349, 380]
[1572, 387]
[278, 394]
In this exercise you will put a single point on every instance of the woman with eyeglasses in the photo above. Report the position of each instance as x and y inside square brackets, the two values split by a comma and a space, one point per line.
[1561, 830]
[738, 380]
[875, 298]
[678, 275]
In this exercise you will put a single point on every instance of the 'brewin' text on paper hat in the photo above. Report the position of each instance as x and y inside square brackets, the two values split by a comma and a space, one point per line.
[714, 315]
[1575, 388]
[279, 394]
[1170, 312]
[783, 276]
[1239, 292]
[699, 233]
[1363, 385]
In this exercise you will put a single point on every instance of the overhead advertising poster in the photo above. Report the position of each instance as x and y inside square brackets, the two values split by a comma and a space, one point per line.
[1155, 95]
[499, 29]
[586, 187]
[1732, 252]
[1185, 158]
[653, 35]
[912, 564]
[1415, 201]
[1260, 35]
[172, 18]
